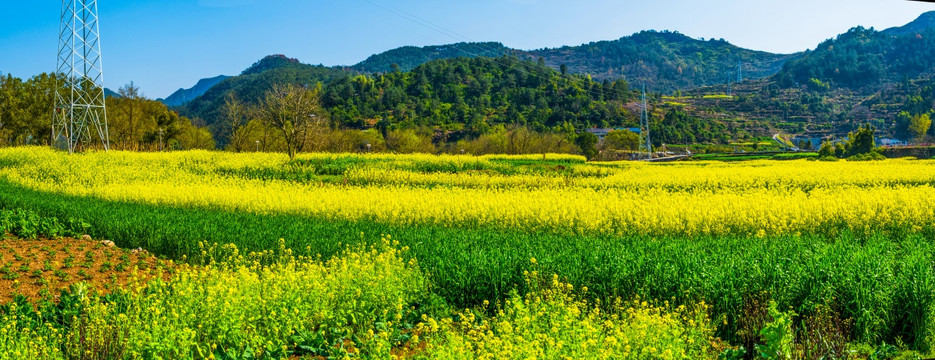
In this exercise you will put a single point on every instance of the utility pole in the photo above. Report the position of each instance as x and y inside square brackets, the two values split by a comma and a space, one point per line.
[79, 92]
[739, 72]
[645, 142]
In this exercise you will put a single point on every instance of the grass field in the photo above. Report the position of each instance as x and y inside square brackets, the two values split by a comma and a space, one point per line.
[842, 243]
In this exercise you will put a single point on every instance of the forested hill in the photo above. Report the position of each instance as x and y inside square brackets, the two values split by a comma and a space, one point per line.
[469, 94]
[474, 94]
[256, 80]
[865, 59]
[665, 61]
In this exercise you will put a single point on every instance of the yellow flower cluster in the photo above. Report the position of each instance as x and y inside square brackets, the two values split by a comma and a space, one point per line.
[553, 322]
[19, 340]
[755, 198]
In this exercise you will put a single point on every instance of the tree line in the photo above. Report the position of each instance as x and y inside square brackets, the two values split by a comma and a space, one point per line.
[462, 97]
[135, 123]
[477, 106]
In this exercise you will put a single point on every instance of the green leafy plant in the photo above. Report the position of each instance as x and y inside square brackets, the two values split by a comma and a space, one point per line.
[777, 335]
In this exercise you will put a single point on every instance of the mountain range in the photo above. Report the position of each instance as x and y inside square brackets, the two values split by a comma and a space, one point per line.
[664, 61]
[863, 74]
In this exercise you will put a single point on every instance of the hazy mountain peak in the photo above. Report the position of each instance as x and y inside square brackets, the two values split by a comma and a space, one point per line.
[183, 96]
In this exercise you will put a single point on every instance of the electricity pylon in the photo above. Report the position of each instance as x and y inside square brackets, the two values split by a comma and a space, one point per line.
[645, 143]
[79, 92]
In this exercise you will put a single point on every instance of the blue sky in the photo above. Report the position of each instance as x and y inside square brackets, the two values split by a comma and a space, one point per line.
[163, 45]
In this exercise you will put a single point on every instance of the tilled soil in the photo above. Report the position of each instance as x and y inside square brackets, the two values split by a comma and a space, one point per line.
[41, 269]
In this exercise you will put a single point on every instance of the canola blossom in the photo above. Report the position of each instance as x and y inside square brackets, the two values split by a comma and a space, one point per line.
[685, 199]
[363, 303]
[708, 236]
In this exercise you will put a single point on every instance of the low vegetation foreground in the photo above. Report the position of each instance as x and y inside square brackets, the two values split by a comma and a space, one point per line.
[221, 255]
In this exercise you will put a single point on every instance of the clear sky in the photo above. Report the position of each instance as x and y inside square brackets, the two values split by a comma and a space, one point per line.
[163, 45]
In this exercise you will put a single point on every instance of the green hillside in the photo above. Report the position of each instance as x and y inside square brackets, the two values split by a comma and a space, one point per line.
[665, 61]
[864, 59]
[474, 94]
[255, 81]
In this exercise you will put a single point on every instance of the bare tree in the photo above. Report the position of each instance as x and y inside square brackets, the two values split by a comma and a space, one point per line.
[126, 113]
[520, 140]
[234, 115]
[294, 110]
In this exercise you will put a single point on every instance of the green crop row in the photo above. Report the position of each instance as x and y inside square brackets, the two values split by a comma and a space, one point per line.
[884, 283]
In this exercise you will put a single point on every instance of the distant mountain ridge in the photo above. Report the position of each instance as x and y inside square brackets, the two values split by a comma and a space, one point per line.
[111, 93]
[183, 96]
[662, 60]
[665, 61]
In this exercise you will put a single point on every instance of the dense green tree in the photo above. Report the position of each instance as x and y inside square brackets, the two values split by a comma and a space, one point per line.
[474, 95]
[127, 120]
[26, 109]
[678, 127]
[587, 142]
[861, 142]
[138, 123]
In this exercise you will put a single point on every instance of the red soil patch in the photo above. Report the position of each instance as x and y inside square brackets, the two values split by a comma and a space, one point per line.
[41, 269]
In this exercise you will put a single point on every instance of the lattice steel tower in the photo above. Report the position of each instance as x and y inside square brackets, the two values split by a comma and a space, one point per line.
[645, 143]
[79, 94]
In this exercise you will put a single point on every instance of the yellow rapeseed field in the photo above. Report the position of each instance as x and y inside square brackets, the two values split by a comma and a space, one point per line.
[753, 198]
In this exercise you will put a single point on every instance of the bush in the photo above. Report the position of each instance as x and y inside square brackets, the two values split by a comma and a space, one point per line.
[826, 150]
[871, 156]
